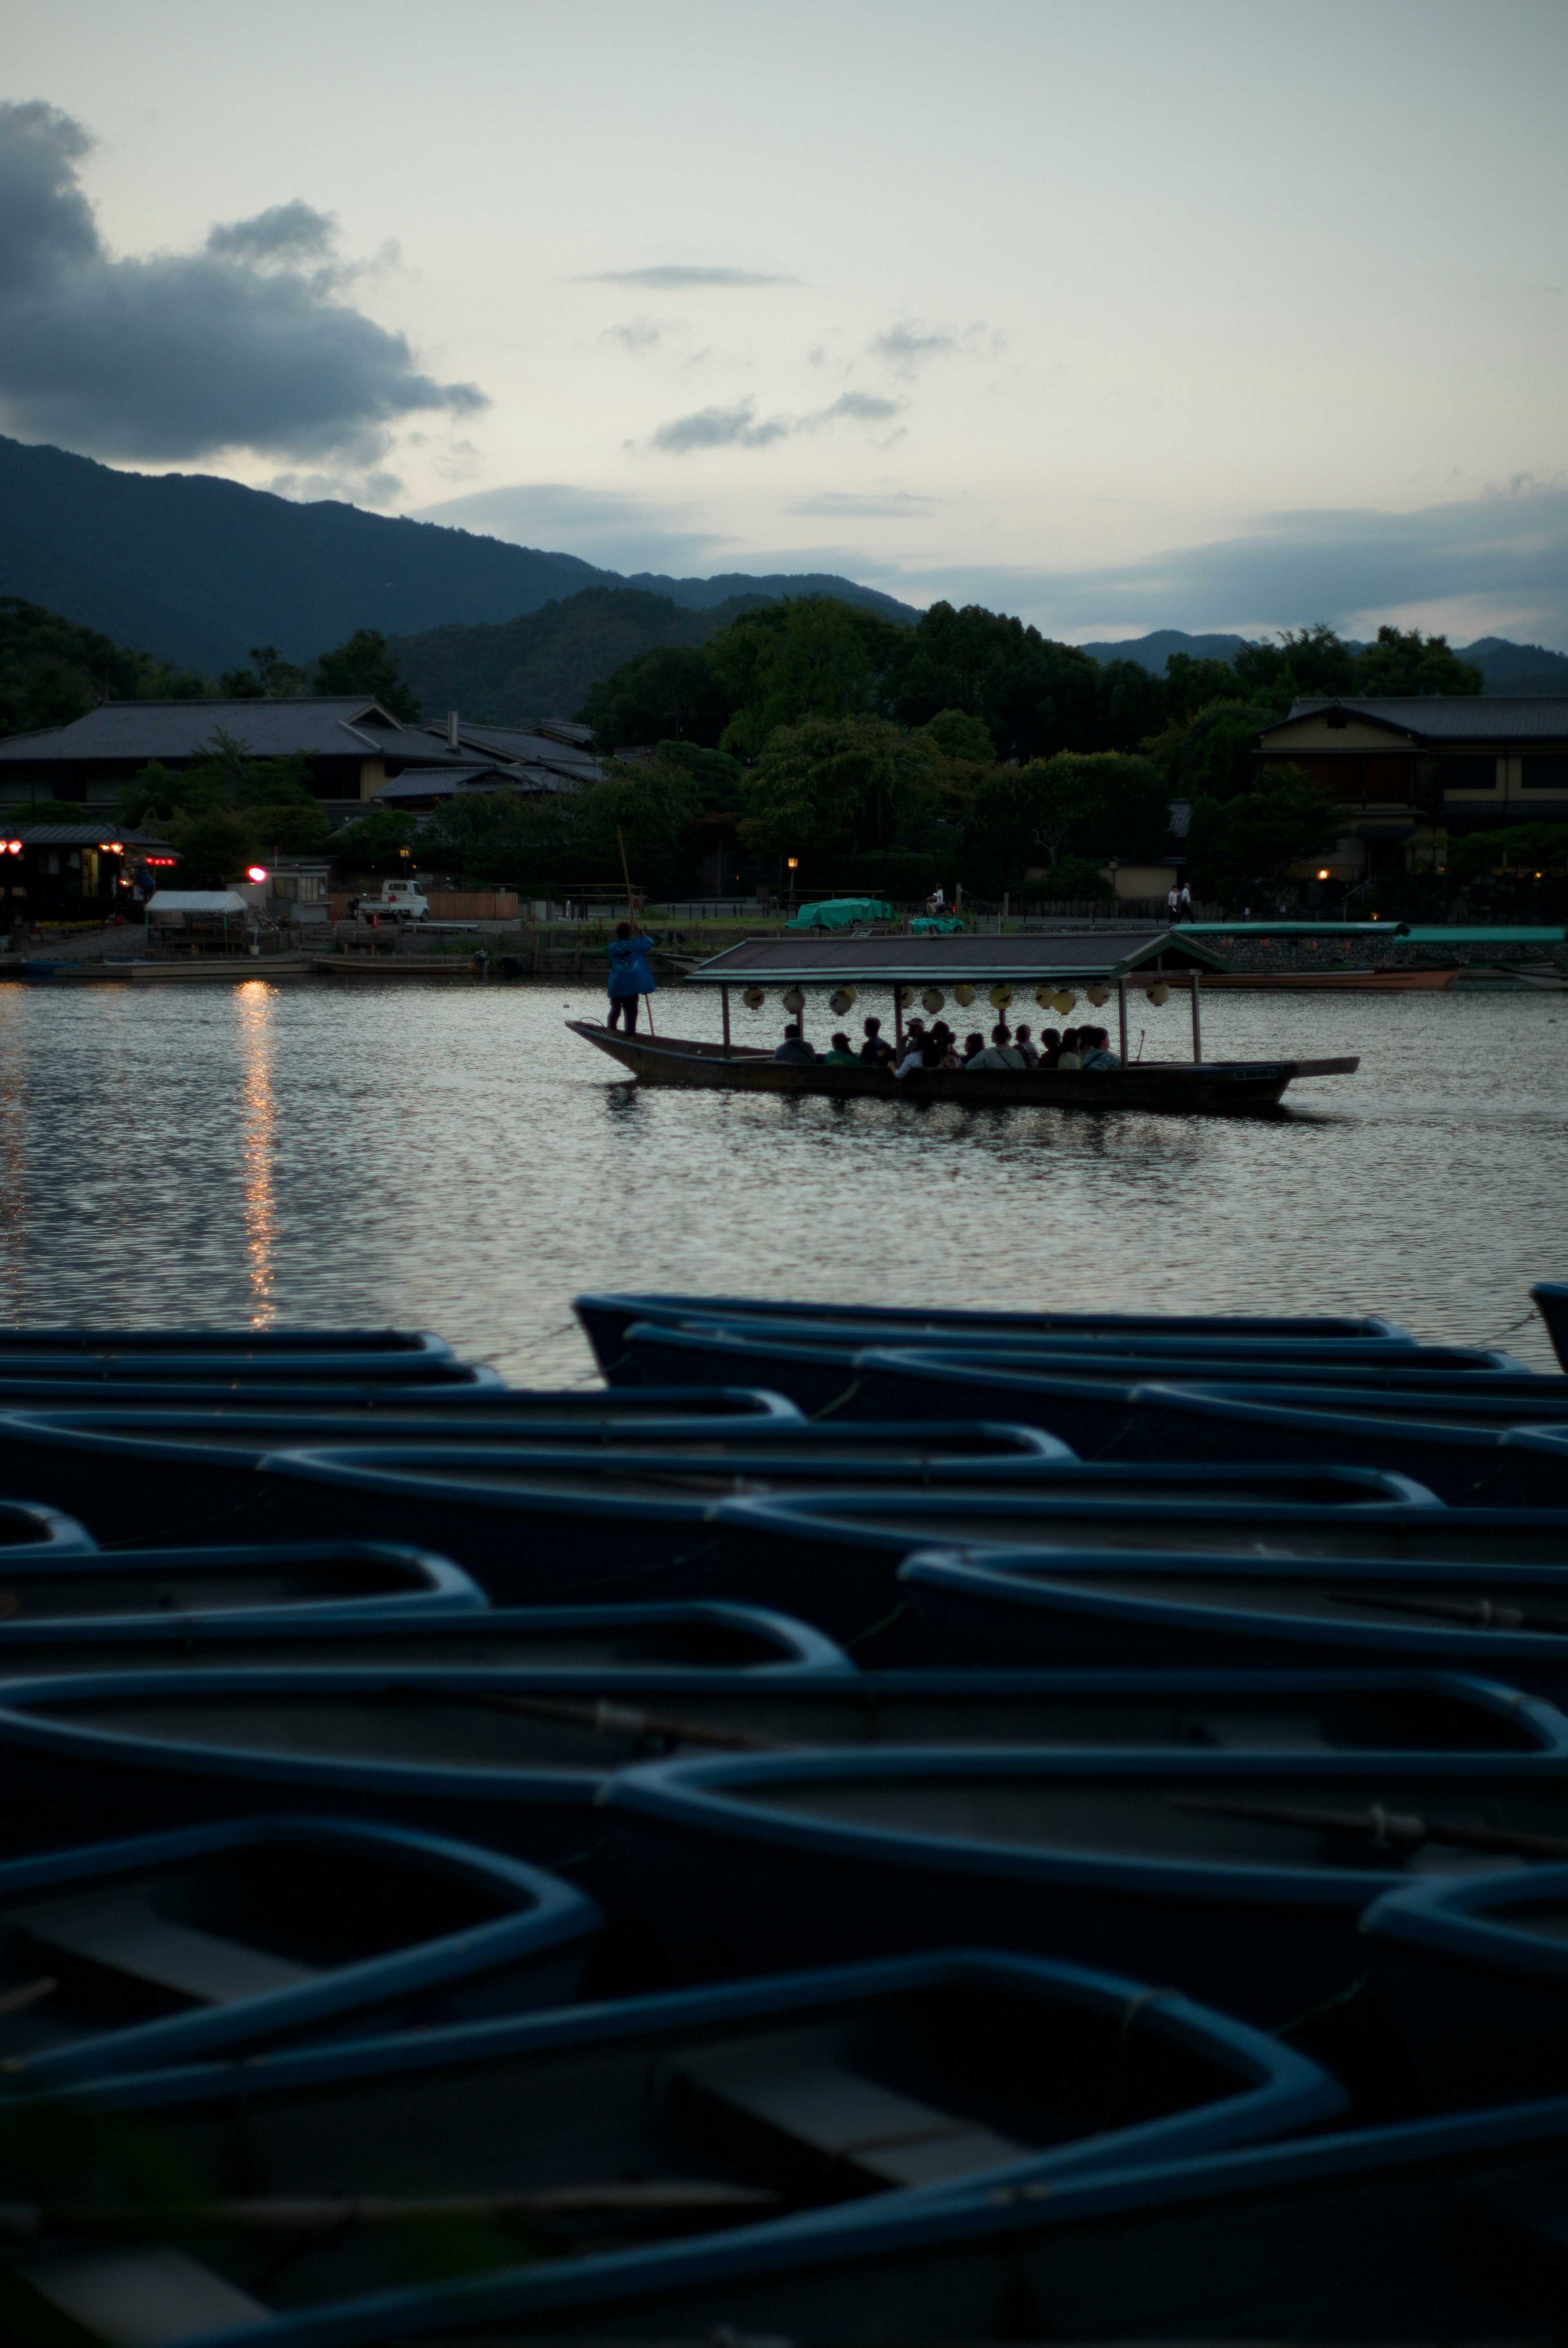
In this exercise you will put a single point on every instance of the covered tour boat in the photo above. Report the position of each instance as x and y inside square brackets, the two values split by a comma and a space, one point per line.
[988, 975]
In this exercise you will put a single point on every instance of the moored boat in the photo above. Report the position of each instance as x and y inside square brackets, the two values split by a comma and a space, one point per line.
[1478, 1974]
[320, 1581]
[224, 1940]
[573, 2144]
[44, 1535]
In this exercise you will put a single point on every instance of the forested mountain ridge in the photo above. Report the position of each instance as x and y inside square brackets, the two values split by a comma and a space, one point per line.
[195, 570]
[1506, 669]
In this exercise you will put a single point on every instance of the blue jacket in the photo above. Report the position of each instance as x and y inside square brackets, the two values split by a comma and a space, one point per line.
[629, 972]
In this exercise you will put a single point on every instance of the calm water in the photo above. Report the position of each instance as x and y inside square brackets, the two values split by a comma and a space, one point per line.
[446, 1157]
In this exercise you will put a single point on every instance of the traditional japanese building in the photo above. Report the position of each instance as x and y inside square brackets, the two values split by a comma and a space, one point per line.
[1410, 772]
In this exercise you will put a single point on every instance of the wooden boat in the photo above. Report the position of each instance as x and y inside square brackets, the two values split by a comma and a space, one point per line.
[1434, 2229]
[607, 1315]
[158, 1368]
[167, 1474]
[679, 1638]
[28, 1529]
[836, 1377]
[1506, 1621]
[656, 1525]
[580, 2143]
[834, 1558]
[1479, 1971]
[322, 1582]
[1551, 1300]
[148, 1345]
[1247, 1874]
[1218, 1087]
[262, 1933]
[1389, 979]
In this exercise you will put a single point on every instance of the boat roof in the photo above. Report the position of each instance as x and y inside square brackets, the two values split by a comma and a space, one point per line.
[1105, 952]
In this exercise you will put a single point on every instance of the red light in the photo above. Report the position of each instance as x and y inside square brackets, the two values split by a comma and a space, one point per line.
[160, 861]
[12, 848]
[255, 871]
[109, 847]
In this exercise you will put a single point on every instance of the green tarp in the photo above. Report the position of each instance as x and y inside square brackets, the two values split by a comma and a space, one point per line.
[841, 913]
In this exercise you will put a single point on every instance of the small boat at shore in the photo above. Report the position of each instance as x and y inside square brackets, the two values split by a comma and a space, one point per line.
[346, 1581]
[1479, 1971]
[613, 2139]
[173, 1948]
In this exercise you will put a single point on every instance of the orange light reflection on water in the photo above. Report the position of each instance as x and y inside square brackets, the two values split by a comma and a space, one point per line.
[256, 1004]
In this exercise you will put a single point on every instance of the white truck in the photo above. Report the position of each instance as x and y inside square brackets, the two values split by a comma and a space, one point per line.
[399, 901]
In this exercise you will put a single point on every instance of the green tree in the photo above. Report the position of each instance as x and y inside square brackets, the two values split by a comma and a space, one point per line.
[1310, 661]
[1034, 697]
[223, 774]
[719, 779]
[1213, 758]
[810, 657]
[53, 671]
[215, 845]
[364, 665]
[1258, 834]
[373, 840]
[958, 735]
[159, 793]
[1192, 684]
[1094, 804]
[670, 691]
[1406, 662]
[842, 784]
[649, 810]
[269, 678]
[1540, 845]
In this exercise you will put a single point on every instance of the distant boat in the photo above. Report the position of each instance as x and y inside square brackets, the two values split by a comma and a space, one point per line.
[318, 1581]
[132, 1956]
[1478, 1974]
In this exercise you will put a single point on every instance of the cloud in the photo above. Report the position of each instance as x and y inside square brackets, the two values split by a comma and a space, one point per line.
[720, 428]
[1495, 564]
[179, 355]
[675, 279]
[740, 427]
[846, 505]
[600, 526]
[908, 346]
[642, 334]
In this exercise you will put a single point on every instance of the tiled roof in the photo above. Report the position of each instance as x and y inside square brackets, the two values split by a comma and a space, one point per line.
[526, 748]
[341, 727]
[1452, 719]
[80, 835]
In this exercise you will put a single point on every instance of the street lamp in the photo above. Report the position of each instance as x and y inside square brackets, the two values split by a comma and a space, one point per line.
[794, 863]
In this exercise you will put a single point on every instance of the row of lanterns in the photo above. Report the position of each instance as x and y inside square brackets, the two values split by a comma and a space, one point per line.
[1059, 999]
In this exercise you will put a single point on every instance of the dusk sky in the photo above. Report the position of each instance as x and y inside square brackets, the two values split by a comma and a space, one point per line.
[1115, 315]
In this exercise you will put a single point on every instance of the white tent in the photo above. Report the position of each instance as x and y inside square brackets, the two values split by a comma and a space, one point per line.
[183, 904]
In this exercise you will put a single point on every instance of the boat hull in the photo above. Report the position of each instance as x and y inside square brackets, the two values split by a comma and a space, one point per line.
[1217, 1088]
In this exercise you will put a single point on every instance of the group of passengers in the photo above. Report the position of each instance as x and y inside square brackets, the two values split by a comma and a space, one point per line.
[936, 1047]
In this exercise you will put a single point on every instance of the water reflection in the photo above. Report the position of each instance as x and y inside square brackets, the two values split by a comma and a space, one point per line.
[457, 1160]
[256, 1004]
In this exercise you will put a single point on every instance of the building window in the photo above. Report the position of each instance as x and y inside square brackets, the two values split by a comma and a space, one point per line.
[1469, 774]
[1544, 775]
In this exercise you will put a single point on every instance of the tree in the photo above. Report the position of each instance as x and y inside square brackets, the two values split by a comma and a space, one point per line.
[373, 839]
[1258, 834]
[1313, 659]
[810, 657]
[839, 784]
[1192, 684]
[1033, 697]
[364, 665]
[53, 671]
[671, 690]
[223, 773]
[270, 677]
[215, 846]
[958, 735]
[1406, 662]
[1534, 845]
[719, 777]
[1213, 758]
[1094, 804]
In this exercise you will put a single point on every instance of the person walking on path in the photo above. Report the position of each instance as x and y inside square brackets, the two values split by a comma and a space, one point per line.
[630, 977]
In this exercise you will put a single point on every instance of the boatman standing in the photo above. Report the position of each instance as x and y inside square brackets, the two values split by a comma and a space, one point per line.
[630, 977]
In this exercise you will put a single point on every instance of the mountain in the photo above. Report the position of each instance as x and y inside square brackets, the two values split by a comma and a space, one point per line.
[1152, 652]
[1524, 669]
[196, 569]
[542, 663]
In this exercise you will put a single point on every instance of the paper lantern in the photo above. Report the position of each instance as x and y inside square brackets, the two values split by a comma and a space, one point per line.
[906, 998]
[963, 995]
[1000, 996]
[1063, 1000]
[754, 998]
[794, 1000]
[1159, 994]
[842, 999]
[1044, 996]
[932, 1000]
[1098, 995]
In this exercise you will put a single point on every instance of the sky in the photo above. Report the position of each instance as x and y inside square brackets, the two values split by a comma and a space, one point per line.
[1111, 313]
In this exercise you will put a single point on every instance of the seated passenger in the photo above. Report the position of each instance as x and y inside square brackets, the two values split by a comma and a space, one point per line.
[1021, 1038]
[1050, 1044]
[840, 1056]
[1001, 1053]
[1095, 1050]
[795, 1048]
[1068, 1057]
[876, 1052]
[938, 1051]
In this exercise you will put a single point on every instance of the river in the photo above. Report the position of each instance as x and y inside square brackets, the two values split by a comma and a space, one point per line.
[446, 1155]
